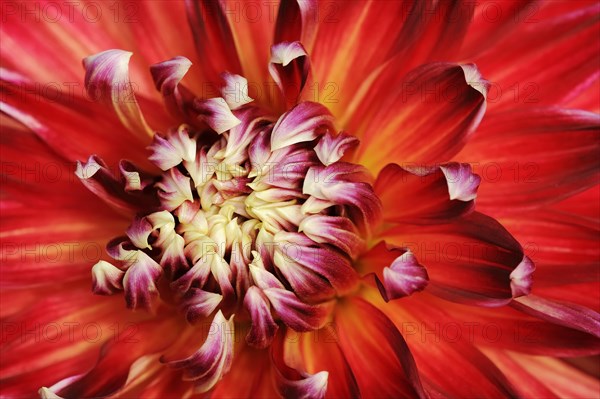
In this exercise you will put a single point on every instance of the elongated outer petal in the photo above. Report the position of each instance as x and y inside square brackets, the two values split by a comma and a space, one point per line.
[305, 122]
[426, 195]
[471, 259]
[217, 114]
[263, 327]
[562, 313]
[214, 358]
[397, 126]
[107, 80]
[536, 156]
[106, 278]
[140, 282]
[377, 353]
[289, 67]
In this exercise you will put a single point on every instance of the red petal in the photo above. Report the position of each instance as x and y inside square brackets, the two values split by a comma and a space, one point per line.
[399, 126]
[376, 352]
[533, 156]
[471, 259]
[426, 195]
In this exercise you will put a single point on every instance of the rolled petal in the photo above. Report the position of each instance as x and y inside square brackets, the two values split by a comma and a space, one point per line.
[208, 365]
[304, 122]
[331, 148]
[107, 80]
[135, 179]
[404, 277]
[334, 230]
[289, 68]
[297, 20]
[106, 278]
[175, 189]
[139, 232]
[170, 152]
[100, 180]
[167, 76]
[521, 279]
[235, 91]
[296, 314]
[217, 114]
[46, 393]
[263, 327]
[140, 282]
[199, 304]
[425, 195]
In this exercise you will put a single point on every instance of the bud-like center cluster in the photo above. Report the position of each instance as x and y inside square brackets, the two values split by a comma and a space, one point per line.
[262, 220]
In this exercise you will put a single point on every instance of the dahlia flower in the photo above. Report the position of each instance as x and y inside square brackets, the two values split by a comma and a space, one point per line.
[301, 199]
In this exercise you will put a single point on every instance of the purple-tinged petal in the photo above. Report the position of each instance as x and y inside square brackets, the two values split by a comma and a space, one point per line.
[106, 278]
[335, 230]
[261, 277]
[403, 278]
[521, 278]
[140, 282]
[216, 113]
[296, 314]
[167, 75]
[199, 304]
[304, 122]
[170, 152]
[208, 365]
[289, 67]
[337, 183]
[426, 195]
[173, 257]
[263, 327]
[331, 148]
[292, 382]
[107, 80]
[100, 180]
[139, 232]
[462, 182]
[175, 189]
[197, 274]
[135, 179]
[561, 313]
[313, 386]
[235, 91]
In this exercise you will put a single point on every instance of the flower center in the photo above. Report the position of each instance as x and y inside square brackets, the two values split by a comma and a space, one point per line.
[262, 221]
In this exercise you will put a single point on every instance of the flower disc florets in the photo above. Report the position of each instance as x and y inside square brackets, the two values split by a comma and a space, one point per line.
[253, 216]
